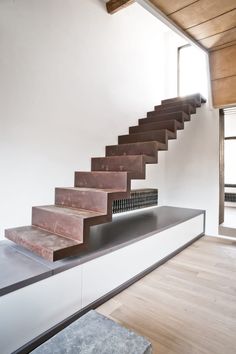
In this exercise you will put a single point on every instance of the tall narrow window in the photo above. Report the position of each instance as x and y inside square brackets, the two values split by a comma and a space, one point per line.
[192, 71]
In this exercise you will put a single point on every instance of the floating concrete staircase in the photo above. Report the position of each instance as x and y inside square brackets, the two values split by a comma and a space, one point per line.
[62, 230]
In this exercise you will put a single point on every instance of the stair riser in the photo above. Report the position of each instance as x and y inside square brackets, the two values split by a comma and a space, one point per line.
[170, 125]
[190, 102]
[163, 107]
[160, 136]
[81, 199]
[184, 108]
[149, 149]
[60, 224]
[112, 180]
[180, 117]
[135, 166]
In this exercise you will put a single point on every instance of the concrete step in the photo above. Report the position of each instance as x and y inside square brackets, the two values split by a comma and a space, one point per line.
[172, 125]
[43, 243]
[197, 97]
[173, 105]
[186, 108]
[149, 148]
[134, 165]
[66, 222]
[101, 179]
[159, 117]
[161, 136]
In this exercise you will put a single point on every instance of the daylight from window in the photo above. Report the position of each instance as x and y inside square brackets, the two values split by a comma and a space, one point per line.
[230, 146]
[192, 71]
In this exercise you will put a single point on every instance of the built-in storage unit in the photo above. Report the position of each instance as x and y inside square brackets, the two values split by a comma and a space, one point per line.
[37, 294]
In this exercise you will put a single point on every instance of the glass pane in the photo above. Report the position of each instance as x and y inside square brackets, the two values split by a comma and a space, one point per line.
[230, 124]
[230, 161]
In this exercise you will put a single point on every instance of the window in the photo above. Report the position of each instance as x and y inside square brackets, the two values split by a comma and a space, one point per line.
[230, 145]
[192, 71]
[230, 161]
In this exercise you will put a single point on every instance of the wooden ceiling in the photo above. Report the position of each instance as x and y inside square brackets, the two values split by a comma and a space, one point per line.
[211, 22]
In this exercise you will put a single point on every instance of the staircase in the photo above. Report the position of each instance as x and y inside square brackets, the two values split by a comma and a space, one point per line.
[62, 230]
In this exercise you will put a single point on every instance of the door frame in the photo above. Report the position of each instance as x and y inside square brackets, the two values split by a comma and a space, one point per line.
[221, 166]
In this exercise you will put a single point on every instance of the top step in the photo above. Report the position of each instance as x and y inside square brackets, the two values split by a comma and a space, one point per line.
[197, 97]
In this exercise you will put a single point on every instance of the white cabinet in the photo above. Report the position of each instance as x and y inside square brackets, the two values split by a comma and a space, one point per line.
[31, 310]
[105, 273]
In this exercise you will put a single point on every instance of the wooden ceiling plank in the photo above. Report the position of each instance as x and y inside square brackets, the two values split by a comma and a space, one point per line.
[115, 5]
[222, 46]
[219, 39]
[170, 6]
[202, 11]
[222, 63]
[214, 26]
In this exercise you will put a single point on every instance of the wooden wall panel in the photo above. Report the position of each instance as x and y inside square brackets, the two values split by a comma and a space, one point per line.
[200, 11]
[223, 76]
[224, 91]
[216, 25]
[223, 63]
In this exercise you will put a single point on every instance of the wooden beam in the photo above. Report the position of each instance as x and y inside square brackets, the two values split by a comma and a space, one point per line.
[116, 5]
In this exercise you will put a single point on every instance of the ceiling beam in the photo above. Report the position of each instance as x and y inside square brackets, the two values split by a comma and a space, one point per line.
[116, 5]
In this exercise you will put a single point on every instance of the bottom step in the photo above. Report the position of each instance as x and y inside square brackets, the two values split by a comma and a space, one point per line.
[49, 246]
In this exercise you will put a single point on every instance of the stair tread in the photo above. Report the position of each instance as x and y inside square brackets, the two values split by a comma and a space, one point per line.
[154, 126]
[120, 156]
[125, 157]
[176, 107]
[74, 212]
[189, 101]
[197, 96]
[163, 117]
[169, 132]
[138, 144]
[93, 190]
[47, 245]
[102, 172]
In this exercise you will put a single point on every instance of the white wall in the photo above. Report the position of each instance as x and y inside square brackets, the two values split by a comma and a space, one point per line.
[73, 78]
[192, 167]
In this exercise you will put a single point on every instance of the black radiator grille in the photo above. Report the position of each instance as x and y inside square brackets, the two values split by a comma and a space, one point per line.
[139, 198]
[230, 197]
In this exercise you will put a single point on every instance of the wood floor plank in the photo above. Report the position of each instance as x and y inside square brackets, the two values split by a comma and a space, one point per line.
[186, 306]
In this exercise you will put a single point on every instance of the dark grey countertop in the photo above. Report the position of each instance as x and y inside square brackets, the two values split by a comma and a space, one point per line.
[20, 267]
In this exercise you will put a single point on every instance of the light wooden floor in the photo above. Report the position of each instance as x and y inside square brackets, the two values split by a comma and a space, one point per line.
[186, 306]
